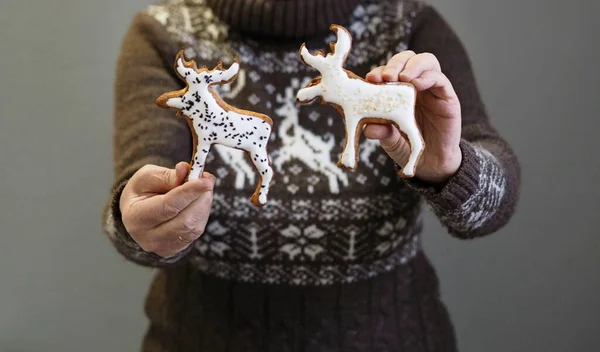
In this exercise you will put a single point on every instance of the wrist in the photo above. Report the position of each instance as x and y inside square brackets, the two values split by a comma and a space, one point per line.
[442, 168]
[456, 189]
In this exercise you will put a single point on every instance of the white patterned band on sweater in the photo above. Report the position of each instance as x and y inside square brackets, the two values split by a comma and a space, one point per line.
[311, 275]
[305, 236]
[478, 209]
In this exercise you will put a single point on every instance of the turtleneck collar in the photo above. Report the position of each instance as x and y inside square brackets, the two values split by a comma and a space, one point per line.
[283, 18]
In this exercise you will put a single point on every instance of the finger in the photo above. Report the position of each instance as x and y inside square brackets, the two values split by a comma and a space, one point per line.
[208, 175]
[378, 131]
[390, 139]
[387, 134]
[396, 65]
[375, 75]
[161, 208]
[418, 64]
[179, 232]
[158, 180]
[177, 200]
[437, 83]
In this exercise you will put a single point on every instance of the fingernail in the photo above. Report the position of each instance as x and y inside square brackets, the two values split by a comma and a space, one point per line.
[209, 176]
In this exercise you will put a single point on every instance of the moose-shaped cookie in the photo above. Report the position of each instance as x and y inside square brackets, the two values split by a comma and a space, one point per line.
[361, 102]
[213, 121]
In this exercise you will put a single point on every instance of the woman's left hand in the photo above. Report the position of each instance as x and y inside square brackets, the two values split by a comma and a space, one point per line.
[438, 116]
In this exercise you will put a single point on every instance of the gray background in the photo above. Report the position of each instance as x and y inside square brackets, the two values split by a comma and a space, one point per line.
[533, 286]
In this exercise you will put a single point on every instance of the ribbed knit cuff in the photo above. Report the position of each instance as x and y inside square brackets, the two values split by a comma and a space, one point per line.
[125, 244]
[458, 189]
[469, 203]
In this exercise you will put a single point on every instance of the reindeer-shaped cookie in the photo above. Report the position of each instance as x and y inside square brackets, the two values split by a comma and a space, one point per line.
[361, 102]
[213, 121]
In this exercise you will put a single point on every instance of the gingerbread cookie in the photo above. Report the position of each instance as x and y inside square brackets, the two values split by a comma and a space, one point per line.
[361, 102]
[213, 121]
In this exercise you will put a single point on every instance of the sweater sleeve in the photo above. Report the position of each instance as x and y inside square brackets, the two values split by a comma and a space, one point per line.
[482, 196]
[143, 133]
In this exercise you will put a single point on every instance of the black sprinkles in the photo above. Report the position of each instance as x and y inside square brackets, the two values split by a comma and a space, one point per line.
[229, 127]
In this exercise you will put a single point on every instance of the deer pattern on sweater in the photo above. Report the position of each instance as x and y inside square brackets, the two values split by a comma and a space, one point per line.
[301, 144]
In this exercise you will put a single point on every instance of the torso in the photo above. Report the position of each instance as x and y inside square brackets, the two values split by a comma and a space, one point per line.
[322, 224]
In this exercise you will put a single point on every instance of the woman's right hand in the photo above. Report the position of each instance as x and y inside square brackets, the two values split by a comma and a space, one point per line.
[161, 212]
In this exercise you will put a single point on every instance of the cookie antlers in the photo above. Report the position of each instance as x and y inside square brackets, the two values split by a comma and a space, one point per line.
[361, 102]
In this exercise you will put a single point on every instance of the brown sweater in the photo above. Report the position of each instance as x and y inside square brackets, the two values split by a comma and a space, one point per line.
[314, 268]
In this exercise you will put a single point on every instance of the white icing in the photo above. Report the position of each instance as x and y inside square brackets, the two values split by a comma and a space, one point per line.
[360, 99]
[236, 159]
[231, 91]
[221, 124]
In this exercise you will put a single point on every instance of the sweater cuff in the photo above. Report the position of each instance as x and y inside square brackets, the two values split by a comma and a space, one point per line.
[459, 188]
[125, 244]
[470, 200]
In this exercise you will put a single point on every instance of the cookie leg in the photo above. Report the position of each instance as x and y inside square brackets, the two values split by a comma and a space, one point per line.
[348, 158]
[416, 148]
[198, 163]
[260, 159]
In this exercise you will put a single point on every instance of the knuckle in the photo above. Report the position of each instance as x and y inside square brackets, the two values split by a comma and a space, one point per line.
[211, 184]
[142, 171]
[148, 246]
[402, 54]
[146, 170]
[199, 231]
[131, 222]
[165, 175]
[205, 188]
[200, 227]
[154, 177]
[151, 180]
[377, 70]
[431, 57]
[159, 177]
[169, 209]
[188, 225]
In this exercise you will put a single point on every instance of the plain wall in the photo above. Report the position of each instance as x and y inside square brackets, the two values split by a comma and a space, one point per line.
[533, 286]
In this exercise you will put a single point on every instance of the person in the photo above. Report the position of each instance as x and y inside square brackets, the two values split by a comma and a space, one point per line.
[333, 261]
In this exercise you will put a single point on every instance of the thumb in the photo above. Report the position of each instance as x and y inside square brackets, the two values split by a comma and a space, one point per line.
[160, 180]
[387, 134]
[390, 139]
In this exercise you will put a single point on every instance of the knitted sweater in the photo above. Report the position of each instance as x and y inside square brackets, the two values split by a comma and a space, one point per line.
[324, 229]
